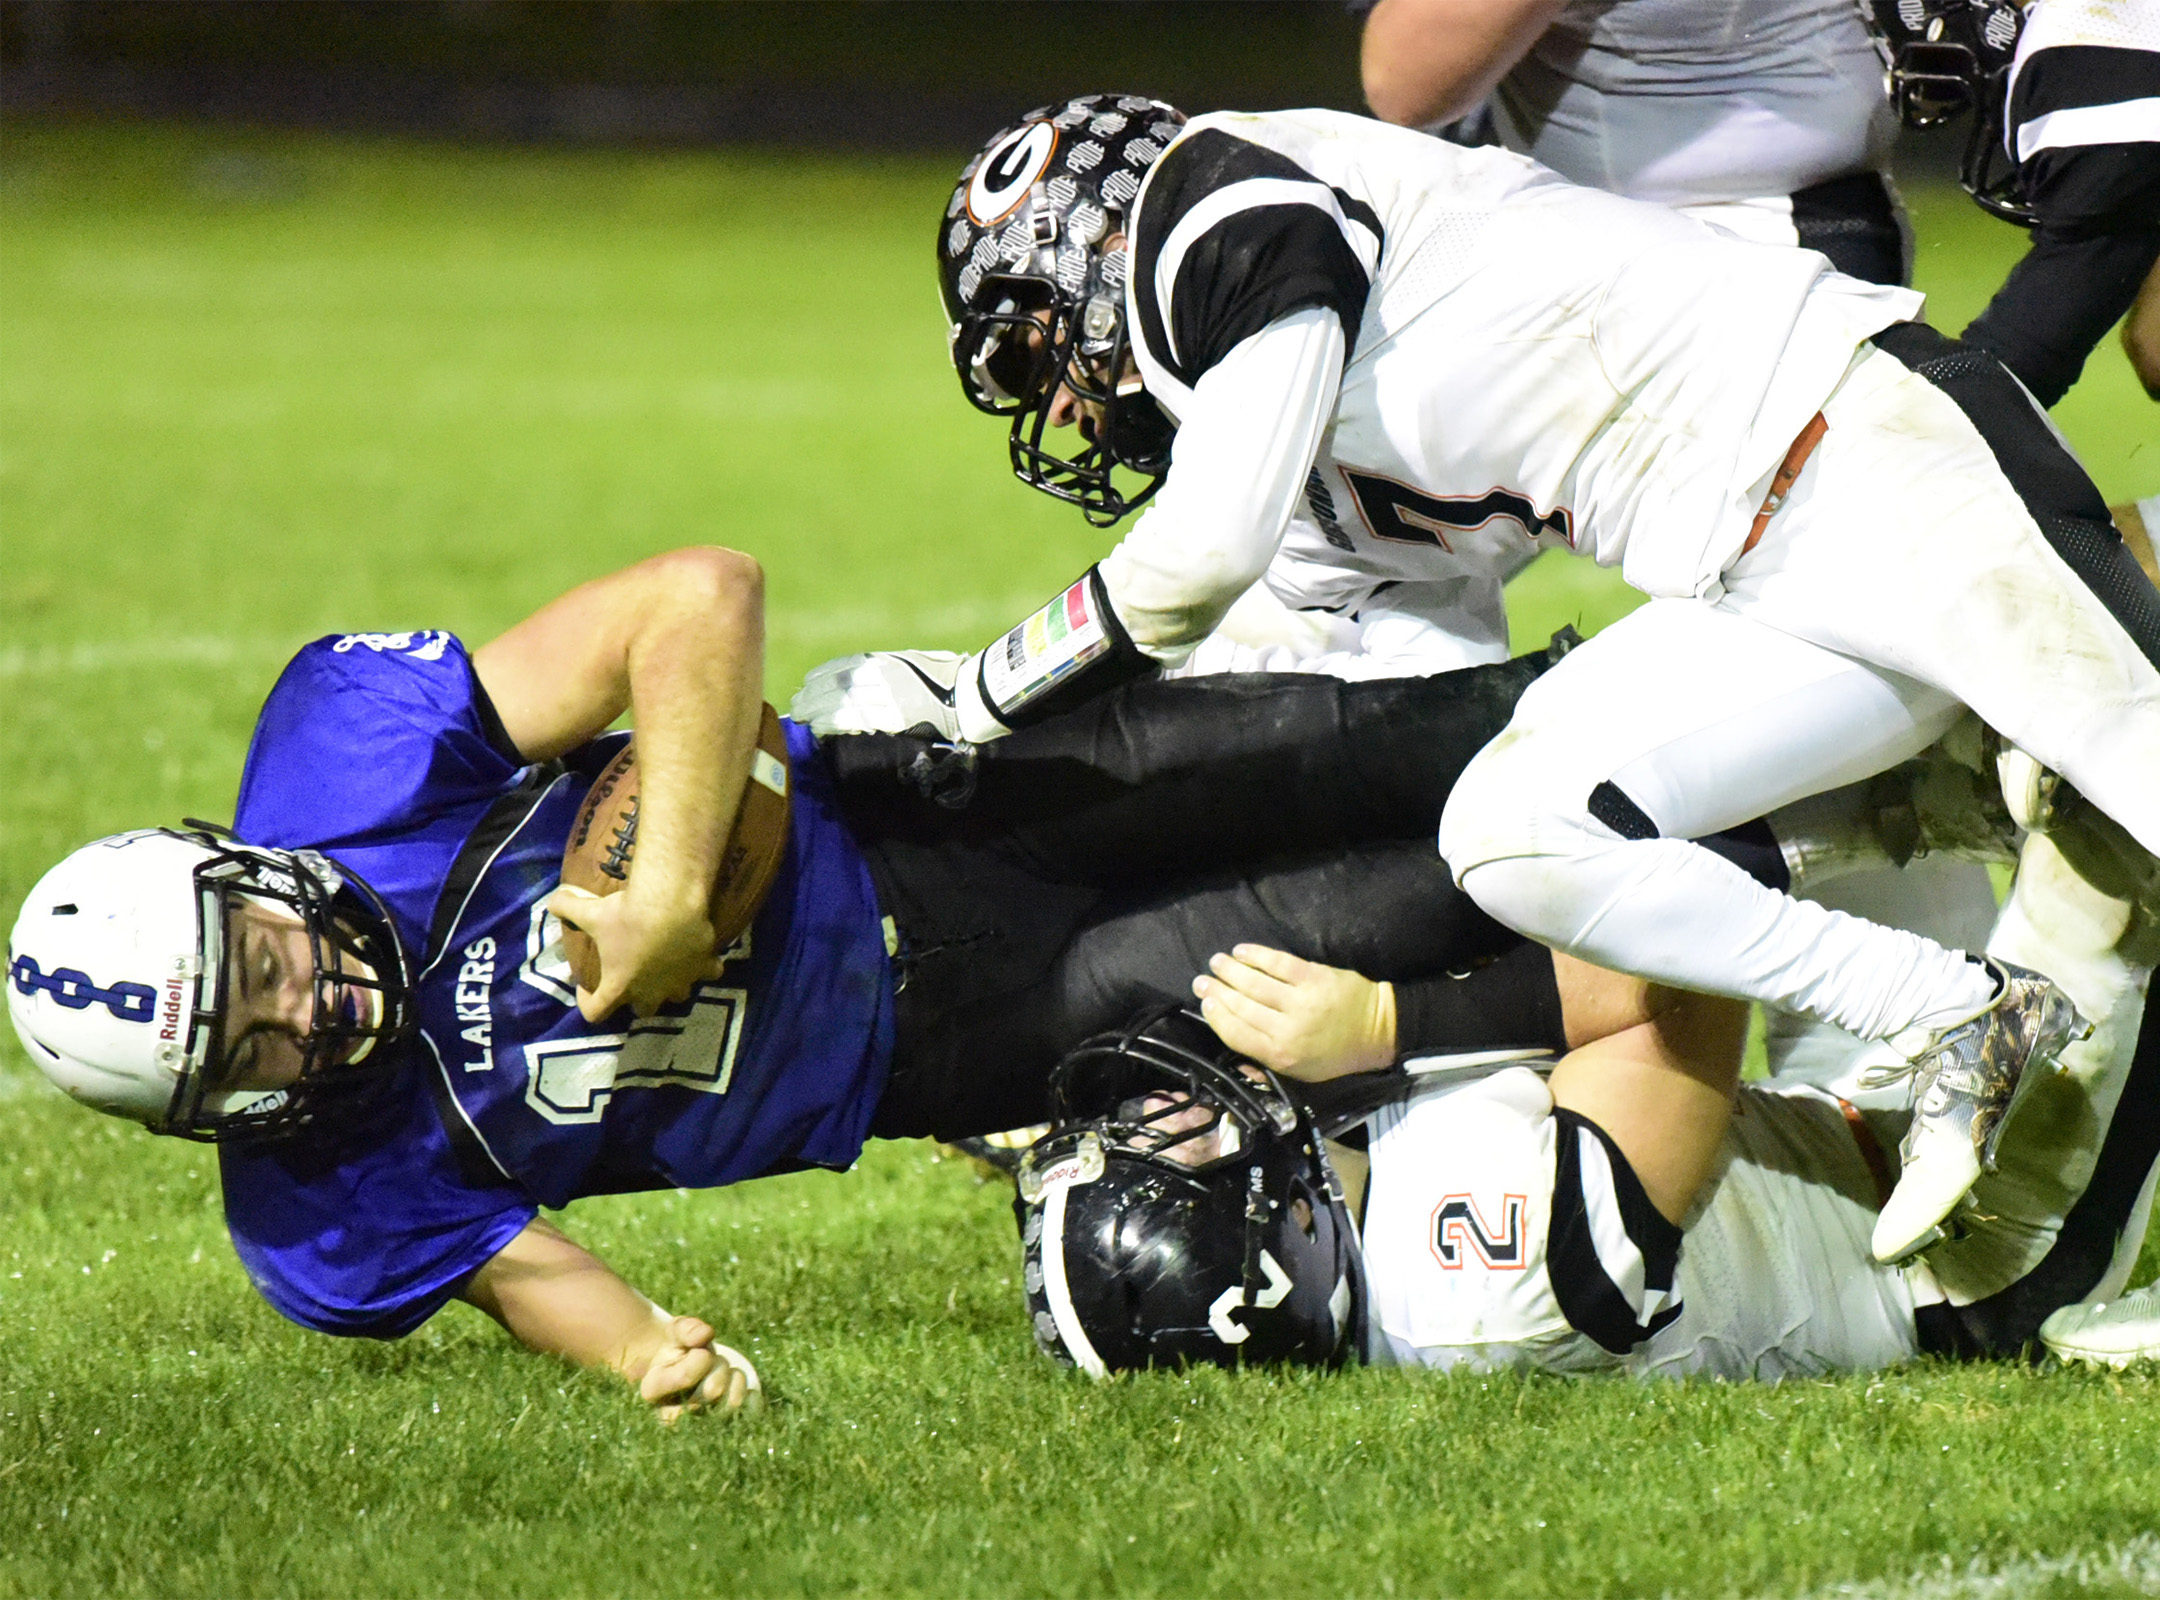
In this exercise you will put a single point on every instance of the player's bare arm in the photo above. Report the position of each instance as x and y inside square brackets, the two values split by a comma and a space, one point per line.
[558, 1298]
[1428, 61]
[2141, 333]
[1314, 1022]
[680, 638]
[1660, 1086]
[1655, 1067]
[2131, 523]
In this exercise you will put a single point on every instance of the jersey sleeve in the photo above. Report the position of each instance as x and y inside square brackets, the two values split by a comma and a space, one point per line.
[1614, 1256]
[2083, 125]
[366, 735]
[1230, 236]
[368, 1236]
[1501, 1231]
[1244, 449]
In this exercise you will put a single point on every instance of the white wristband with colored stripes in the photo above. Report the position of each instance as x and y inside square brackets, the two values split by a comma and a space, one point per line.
[1071, 650]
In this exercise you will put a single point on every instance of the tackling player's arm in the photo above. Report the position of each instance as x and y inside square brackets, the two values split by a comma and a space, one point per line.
[1243, 452]
[556, 1297]
[1428, 61]
[1244, 447]
[1655, 1068]
[1232, 325]
[2141, 333]
[679, 638]
[2137, 532]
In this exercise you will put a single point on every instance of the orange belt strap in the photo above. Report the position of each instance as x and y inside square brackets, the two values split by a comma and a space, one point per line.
[1781, 485]
[1871, 1151]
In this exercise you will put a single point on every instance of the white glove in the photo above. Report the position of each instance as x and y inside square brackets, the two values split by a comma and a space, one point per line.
[886, 691]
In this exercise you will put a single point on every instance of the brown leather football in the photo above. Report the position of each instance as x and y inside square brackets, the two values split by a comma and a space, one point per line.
[603, 842]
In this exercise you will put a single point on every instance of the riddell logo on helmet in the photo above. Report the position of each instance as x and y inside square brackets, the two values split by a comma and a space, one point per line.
[1008, 172]
[169, 1012]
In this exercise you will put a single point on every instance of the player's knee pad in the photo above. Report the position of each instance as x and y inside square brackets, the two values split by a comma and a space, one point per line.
[1539, 897]
[1510, 802]
[1521, 827]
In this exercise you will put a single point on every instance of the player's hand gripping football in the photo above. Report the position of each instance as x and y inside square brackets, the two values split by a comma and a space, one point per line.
[1297, 1017]
[691, 1371]
[655, 945]
[886, 691]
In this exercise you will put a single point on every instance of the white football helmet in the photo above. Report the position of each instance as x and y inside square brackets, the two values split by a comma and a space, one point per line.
[116, 980]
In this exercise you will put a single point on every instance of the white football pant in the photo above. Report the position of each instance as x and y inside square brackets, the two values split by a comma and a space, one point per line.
[1903, 575]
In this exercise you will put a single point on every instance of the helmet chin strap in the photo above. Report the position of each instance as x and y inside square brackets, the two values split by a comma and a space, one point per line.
[367, 1045]
[236, 1102]
[1258, 1209]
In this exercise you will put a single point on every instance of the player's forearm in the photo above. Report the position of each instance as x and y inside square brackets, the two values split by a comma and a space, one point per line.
[1661, 1088]
[1428, 61]
[2059, 301]
[696, 679]
[557, 1298]
[1238, 466]
[2141, 333]
[1238, 469]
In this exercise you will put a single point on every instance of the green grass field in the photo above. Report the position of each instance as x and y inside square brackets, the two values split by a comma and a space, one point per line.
[253, 389]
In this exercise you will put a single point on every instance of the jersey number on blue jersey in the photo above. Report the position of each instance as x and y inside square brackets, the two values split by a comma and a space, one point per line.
[689, 1046]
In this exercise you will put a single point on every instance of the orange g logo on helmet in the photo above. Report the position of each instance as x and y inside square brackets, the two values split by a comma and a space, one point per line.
[1009, 171]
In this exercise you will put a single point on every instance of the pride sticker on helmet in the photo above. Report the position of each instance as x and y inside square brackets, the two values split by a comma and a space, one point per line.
[130, 1002]
[1009, 171]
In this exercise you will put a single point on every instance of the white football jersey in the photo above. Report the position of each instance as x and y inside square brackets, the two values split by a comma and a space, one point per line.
[1524, 365]
[1502, 1233]
[2110, 94]
[2093, 24]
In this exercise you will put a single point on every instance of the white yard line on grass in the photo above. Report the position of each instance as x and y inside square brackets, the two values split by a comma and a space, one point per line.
[112, 655]
[2132, 1566]
[895, 627]
[859, 627]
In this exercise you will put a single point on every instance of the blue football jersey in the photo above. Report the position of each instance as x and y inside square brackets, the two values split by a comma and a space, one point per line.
[382, 752]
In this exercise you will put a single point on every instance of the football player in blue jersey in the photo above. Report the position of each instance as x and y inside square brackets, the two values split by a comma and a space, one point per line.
[361, 991]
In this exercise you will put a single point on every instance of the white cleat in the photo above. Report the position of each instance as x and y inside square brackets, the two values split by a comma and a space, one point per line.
[2108, 1333]
[2028, 788]
[1966, 1084]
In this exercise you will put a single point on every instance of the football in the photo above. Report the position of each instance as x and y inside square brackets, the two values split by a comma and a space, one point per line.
[603, 843]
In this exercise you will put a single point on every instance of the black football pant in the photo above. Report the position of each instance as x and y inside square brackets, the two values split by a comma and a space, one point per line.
[1047, 886]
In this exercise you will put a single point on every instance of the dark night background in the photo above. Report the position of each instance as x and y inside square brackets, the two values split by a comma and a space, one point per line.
[922, 74]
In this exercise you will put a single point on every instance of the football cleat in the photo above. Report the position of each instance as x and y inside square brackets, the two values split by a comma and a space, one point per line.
[1968, 1081]
[2108, 1333]
[2028, 788]
[2101, 851]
